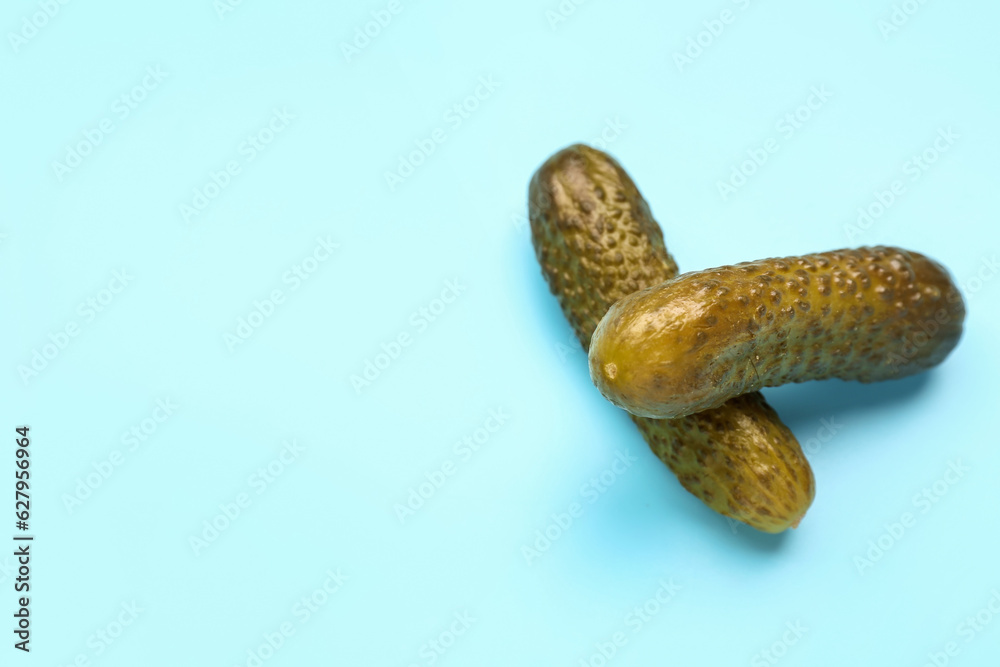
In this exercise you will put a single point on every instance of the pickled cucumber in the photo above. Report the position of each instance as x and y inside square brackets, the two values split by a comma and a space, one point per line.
[695, 342]
[597, 242]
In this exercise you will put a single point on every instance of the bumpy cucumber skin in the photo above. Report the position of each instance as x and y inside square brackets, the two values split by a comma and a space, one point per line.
[597, 242]
[695, 342]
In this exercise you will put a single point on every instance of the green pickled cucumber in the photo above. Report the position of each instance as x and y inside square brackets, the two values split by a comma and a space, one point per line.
[597, 242]
[695, 342]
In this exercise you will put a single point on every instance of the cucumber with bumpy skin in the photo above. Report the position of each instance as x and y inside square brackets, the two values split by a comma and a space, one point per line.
[697, 341]
[597, 242]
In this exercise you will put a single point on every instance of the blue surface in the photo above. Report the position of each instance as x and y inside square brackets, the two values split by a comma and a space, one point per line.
[245, 171]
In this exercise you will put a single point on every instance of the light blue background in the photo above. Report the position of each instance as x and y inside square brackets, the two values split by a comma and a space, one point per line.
[501, 344]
